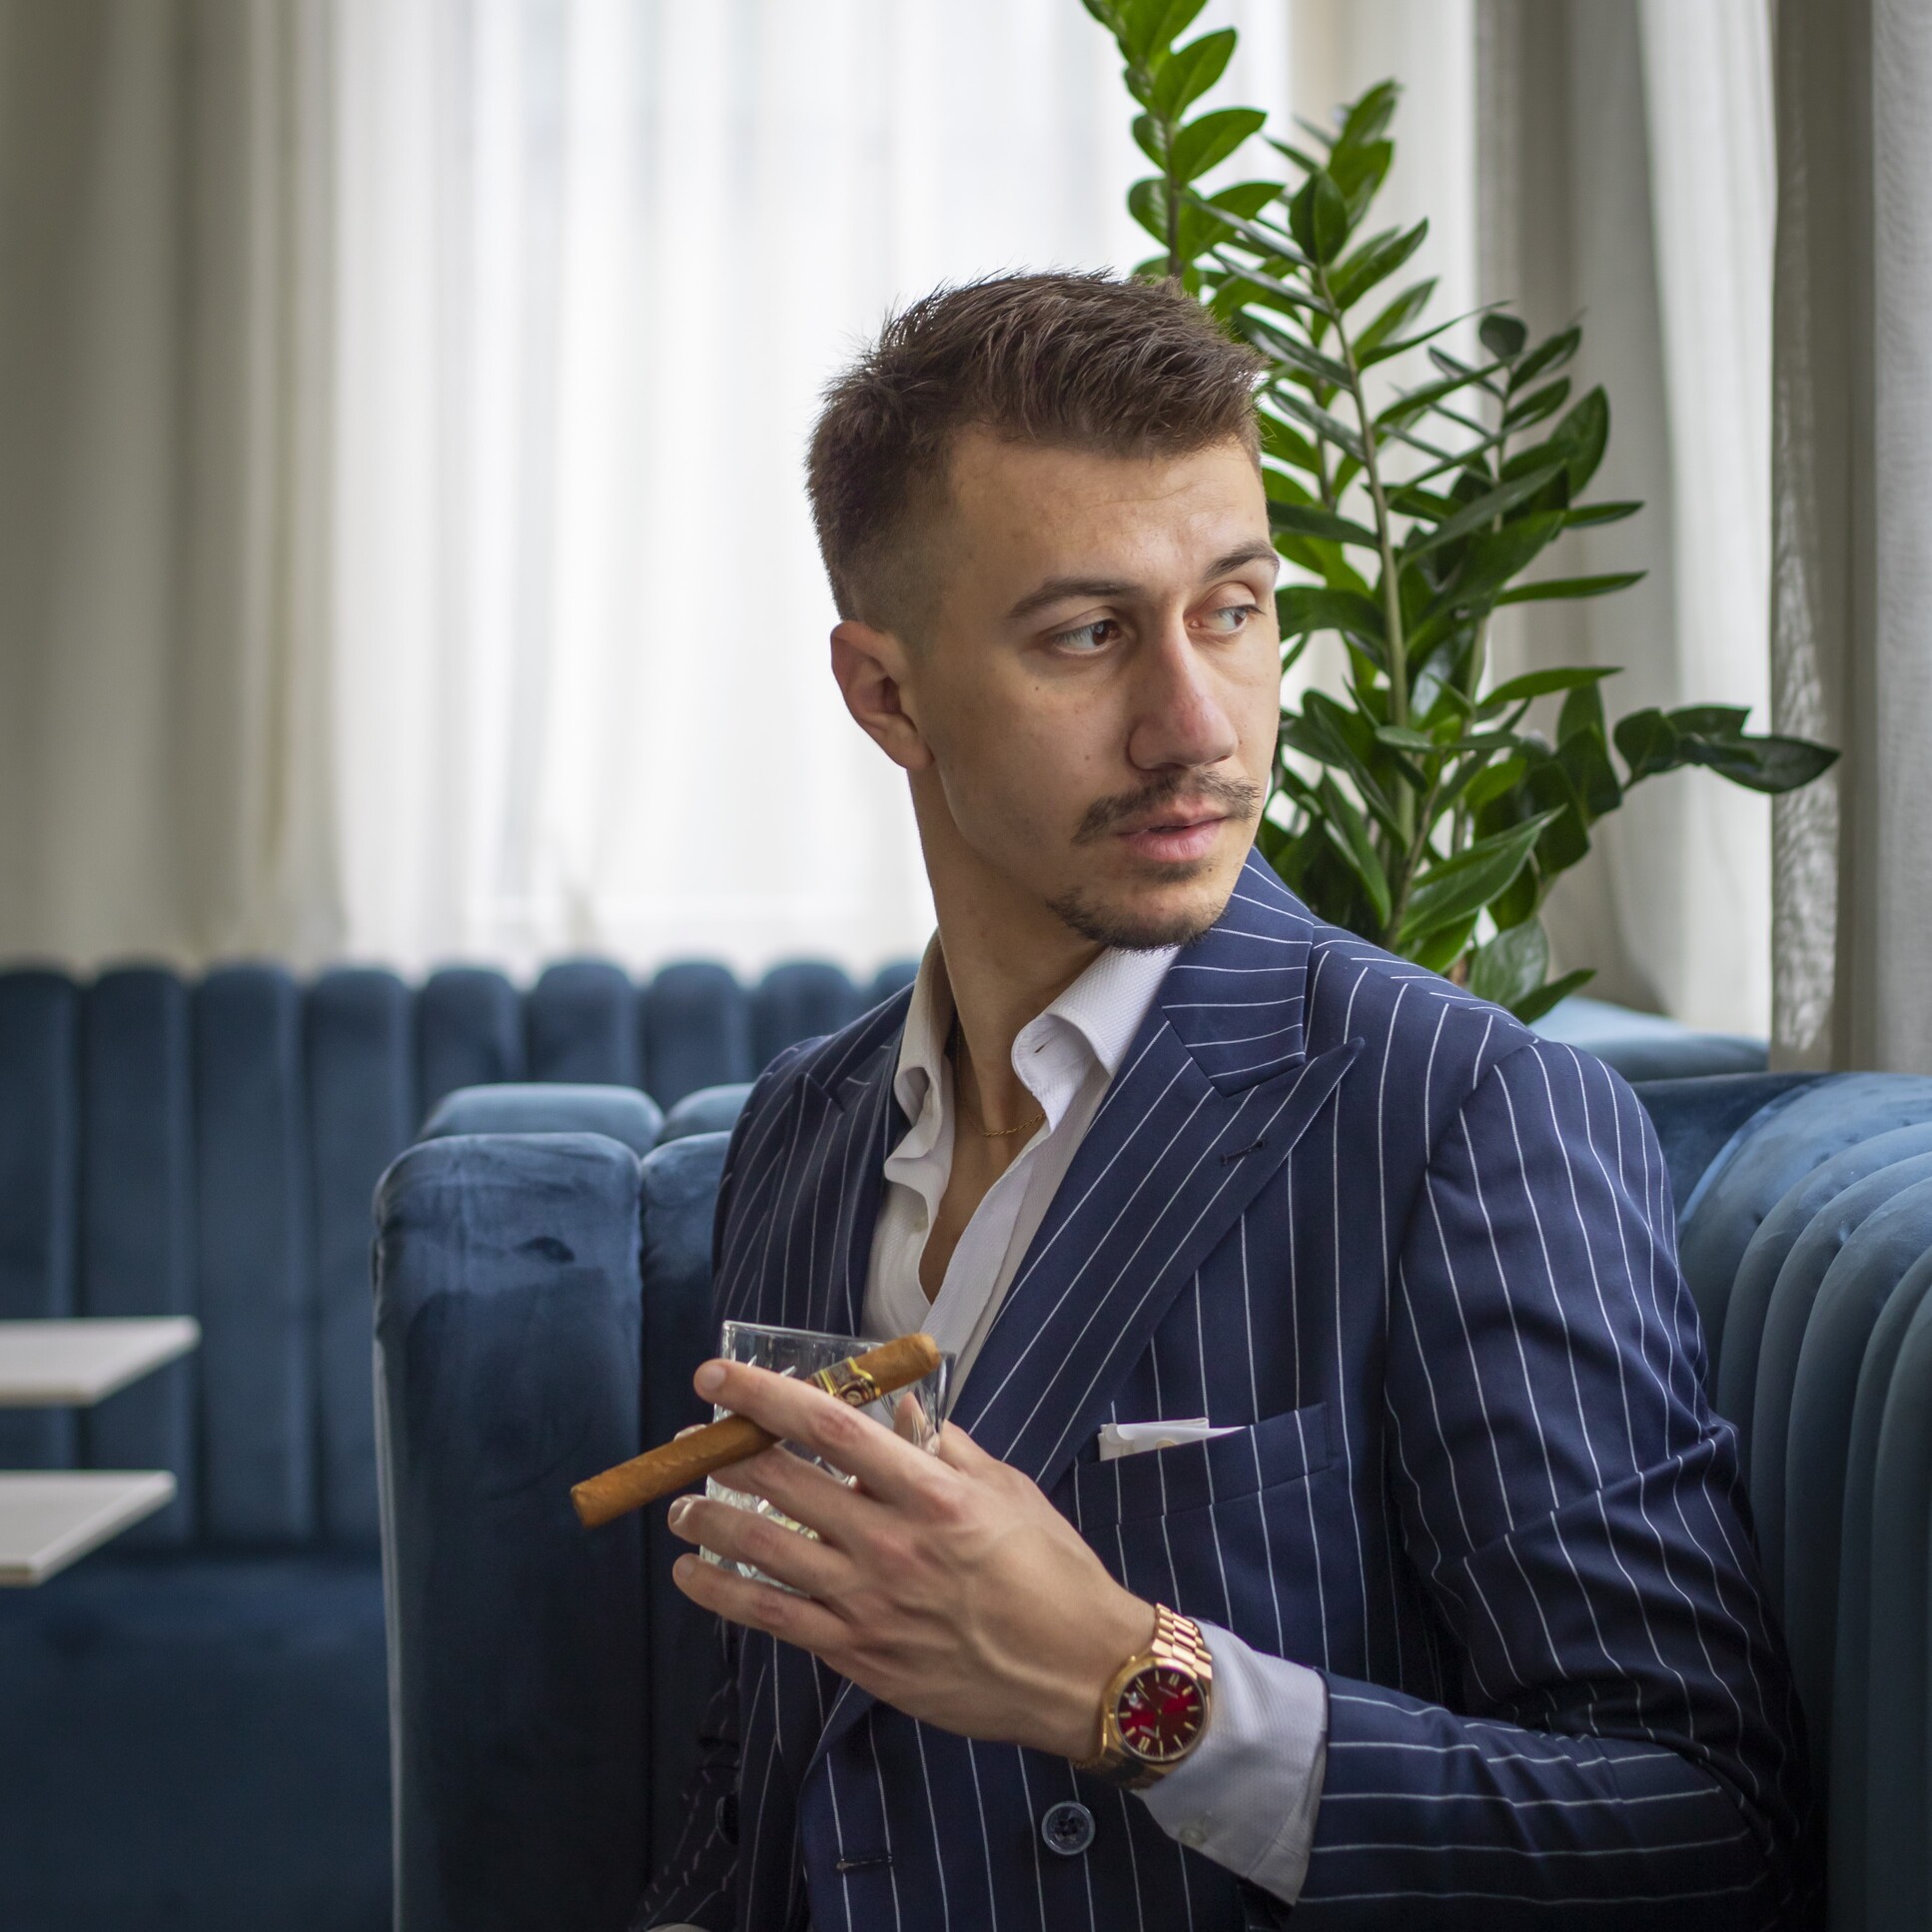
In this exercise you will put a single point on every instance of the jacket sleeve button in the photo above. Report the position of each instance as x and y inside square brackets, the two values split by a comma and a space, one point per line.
[1068, 1828]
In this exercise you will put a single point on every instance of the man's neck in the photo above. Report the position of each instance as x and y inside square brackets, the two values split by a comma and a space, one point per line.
[1004, 966]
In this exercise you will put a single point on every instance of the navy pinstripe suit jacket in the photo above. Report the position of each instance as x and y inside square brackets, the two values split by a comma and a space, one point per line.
[1423, 1260]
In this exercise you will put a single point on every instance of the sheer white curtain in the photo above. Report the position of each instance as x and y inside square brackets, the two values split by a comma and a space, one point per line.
[1627, 180]
[596, 260]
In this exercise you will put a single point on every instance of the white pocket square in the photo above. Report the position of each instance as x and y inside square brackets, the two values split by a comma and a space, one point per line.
[1129, 1439]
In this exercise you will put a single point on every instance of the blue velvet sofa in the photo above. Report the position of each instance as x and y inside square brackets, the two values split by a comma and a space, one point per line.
[541, 1297]
[194, 1722]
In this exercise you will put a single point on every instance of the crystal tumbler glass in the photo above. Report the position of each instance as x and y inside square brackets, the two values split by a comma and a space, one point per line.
[914, 1413]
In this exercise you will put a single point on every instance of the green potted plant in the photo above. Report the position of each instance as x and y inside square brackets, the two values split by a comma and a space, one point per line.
[1410, 489]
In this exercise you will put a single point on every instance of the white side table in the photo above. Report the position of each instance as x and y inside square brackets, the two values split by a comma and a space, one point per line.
[54, 1365]
[49, 1518]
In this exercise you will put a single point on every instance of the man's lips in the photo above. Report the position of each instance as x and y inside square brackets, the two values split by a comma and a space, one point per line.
[1181, 832]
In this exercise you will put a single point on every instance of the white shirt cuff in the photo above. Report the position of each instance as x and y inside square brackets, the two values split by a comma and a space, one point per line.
[1246, 1795]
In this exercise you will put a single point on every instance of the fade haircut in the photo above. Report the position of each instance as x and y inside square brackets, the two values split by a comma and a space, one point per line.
[1074, 362]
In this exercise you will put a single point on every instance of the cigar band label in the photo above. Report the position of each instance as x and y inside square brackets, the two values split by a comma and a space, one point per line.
[849, 1384]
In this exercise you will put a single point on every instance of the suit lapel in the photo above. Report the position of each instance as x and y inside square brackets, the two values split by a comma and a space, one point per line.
[1212, 1098]
[1144, 1203]
[870, 1125]
[798, 1252]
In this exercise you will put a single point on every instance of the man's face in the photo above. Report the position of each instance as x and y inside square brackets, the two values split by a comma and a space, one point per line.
[1098, 683]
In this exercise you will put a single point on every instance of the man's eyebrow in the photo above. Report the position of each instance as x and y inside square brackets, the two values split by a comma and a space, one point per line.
[1249, 553]
[1056, 589]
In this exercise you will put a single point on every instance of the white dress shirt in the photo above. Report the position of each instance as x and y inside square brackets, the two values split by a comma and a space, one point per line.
[1246, 1795]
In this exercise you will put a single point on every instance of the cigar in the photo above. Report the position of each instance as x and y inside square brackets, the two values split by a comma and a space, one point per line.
[688, 1459]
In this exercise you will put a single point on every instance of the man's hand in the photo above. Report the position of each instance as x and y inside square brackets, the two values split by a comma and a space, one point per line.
[947, 1585]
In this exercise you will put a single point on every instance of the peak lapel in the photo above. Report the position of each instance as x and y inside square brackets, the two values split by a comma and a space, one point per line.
[1169, 1164]
[814, 1242]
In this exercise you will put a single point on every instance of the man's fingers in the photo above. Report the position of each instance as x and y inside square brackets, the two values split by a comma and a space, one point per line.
[806, 1494]
[795, 1620]
[743, 1536]
[958, 1450]
[795, 1411]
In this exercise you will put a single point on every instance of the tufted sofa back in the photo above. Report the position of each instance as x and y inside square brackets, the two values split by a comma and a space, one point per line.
[210, 1148]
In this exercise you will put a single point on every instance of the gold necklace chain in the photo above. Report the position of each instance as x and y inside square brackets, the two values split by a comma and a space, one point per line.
[985, 1133]
[993, 1132]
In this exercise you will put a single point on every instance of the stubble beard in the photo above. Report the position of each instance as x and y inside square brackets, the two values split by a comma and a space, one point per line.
[1130, 928]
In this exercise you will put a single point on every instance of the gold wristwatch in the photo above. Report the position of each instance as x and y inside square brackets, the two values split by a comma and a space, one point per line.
[1154, 1709]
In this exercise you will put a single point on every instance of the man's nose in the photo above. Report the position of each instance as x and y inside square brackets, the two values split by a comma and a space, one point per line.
[1179, 717]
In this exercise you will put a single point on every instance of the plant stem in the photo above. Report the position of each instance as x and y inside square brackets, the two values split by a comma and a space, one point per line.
[1176, 268]
[1394, 644]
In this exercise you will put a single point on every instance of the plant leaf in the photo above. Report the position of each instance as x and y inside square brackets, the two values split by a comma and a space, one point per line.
[1285, 445]
[1391, 321]
[1441, 950]
[1307, 521]
[1369, 114]
[1547, 355]
[1517, 690]
[1284, 294]
[1317, 218]
[1350, 834]
[1404, 740]
[1150, 25]
[1583, 713]
[1582, 437]
[1535, 407]
[1586, 514]
[1710, 720]
[1374, 263]
[1485, 508]
[1207, 141]
[1307, 606]
[1358, 171]
[1649, 744]
[1297, 356]
[1147, 203]
[1769, 765]
[1502, 336]
[1512, 965]
[1320, 730]
[1464, 885]
[1534, 1006]
[1259, 238]
[1546, 590]
[1189, 71]
[1584, 756]
[1321, 421]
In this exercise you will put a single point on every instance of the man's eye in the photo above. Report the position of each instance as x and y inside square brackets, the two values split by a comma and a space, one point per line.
[1089, 637]
[1231, 617]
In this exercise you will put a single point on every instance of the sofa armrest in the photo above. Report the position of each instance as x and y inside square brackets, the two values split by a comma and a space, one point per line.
[508, 1336]
[547, 1107]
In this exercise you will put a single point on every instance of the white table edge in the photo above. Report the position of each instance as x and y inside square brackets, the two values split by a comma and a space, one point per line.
[148, 1491]
[175, 1336]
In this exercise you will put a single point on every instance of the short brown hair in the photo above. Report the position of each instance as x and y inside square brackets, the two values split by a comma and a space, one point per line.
[1087, 362]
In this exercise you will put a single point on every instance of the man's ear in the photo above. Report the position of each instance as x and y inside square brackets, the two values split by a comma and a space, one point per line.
[870, 666]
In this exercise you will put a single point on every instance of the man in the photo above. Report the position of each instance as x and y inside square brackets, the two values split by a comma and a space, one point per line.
[1434, 1600]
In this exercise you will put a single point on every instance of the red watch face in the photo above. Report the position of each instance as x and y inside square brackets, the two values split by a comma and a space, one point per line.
[1160, 1712]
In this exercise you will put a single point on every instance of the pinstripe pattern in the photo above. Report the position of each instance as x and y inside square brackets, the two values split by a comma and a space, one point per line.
[1422, 1263]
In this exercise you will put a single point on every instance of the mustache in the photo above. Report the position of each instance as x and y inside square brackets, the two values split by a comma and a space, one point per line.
[1235, 796]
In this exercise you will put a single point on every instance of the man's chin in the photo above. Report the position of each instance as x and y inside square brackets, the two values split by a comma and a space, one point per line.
[1177, 914]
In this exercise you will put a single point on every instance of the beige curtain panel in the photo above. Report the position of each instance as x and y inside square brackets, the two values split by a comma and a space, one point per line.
[1852, 606]
[165, 494]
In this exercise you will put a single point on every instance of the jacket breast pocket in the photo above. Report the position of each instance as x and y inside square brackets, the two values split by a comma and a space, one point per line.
[1199, 1476]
